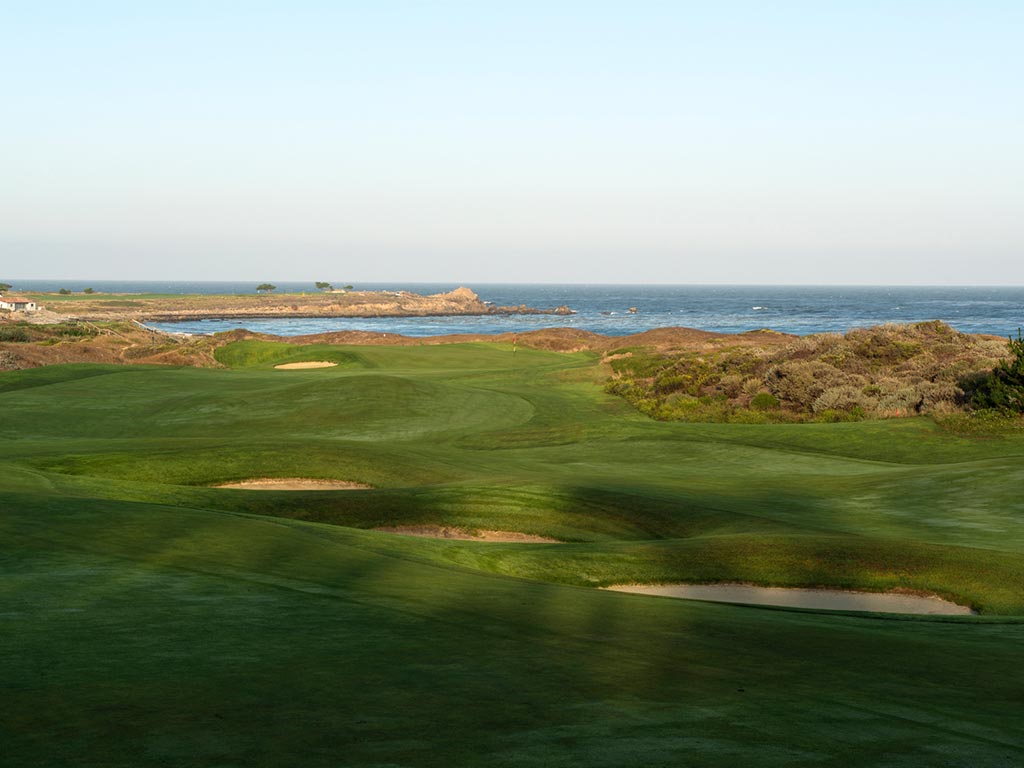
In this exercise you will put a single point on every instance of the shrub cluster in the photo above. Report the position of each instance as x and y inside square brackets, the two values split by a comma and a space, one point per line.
[881, 372]
[24, 332]
[14, 333]
[1001, 389]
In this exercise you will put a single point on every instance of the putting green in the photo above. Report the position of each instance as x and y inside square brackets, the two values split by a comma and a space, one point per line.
[149, 619]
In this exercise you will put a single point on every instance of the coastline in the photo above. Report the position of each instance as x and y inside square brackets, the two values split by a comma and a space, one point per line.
[461, 302]
[604, 309]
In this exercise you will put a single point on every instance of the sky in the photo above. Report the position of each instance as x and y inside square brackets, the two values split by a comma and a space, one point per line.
[823, 142]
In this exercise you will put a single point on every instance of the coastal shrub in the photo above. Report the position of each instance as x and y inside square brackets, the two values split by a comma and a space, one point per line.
[670, 381]
[940, 396]
[15, 334]
[842, 398]
[883, 372]
[943, 408]
[809, 347]
[879, 346]
[619, 387]
[834, 416]
[924, 366]
[697, 374]
[744, 362]
[801, 382]
[688, 408]
[844, 359]
[731, 385]
[900, 402]
[753, 386]
[748, 416]
[764, 401]
[1003, 388]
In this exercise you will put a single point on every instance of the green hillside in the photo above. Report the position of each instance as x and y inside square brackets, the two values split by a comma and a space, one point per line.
[148, 618]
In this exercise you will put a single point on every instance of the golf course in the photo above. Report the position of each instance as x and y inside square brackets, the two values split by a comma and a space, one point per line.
[408, 571]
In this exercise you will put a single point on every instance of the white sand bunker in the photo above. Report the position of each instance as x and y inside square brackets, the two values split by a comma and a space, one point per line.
[463, 534]
[303, 366]
[293, 484]
[822, 599]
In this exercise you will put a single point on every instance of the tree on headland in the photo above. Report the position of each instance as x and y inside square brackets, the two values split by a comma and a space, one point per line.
[265, 287]
[321, 286]
[347, 287]
[88, 290]
[5, 287]
[64, 292]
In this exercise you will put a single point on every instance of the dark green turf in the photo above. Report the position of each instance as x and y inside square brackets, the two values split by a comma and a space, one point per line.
[147, 619]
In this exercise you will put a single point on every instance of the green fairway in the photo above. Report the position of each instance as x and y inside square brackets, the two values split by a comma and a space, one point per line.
[150, 619]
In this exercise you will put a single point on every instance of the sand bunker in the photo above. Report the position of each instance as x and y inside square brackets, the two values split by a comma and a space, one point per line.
[293, 484]
[303, 366]
[445, 532]
[823, 599]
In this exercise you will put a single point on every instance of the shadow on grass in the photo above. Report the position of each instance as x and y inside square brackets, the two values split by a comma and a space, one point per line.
[144, 635]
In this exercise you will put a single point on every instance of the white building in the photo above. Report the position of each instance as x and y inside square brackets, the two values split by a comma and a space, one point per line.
[17, 304]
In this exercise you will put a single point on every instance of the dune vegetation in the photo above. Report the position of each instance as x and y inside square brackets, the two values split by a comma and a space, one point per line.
[150, 618]
[887, 371]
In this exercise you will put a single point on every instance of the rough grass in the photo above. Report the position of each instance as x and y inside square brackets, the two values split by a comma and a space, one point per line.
[148, 619]
[22, 332]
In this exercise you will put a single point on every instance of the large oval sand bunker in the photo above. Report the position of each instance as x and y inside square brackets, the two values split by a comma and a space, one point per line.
[293, 484]
[819, 599]
[465, 534]
[304, 366]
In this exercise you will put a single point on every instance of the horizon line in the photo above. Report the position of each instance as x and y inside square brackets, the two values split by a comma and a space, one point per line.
[470, 283]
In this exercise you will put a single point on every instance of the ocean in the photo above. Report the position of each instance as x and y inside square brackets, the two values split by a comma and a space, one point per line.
[605, 308]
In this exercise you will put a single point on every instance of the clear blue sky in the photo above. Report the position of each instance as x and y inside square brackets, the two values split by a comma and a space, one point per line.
[746, 142]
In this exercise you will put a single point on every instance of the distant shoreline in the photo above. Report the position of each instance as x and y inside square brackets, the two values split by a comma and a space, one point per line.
[602, 309]
[98, 306]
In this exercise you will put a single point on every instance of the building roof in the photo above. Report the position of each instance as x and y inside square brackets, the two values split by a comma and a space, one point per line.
[15, 299]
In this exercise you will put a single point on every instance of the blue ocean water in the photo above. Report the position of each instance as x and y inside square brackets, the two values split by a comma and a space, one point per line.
[604, 308]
